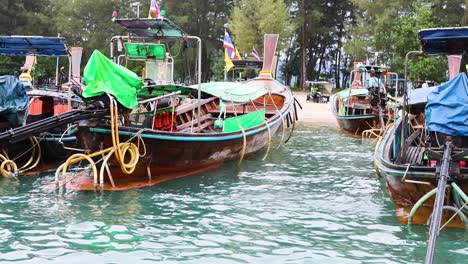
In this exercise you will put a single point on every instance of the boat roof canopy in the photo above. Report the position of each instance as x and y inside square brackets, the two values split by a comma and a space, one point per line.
[38, 46]
[450, 41]
[152, 28]
[377, 69]
[233, 91]
[248, 64]
[144, 51]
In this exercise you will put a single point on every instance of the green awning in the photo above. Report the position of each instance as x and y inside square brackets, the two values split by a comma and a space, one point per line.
[346, 93]
[232, 91]
[143, 51]
[102, 75]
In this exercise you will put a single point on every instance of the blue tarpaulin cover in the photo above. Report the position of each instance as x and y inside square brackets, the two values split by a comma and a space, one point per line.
[13, 100]
[450, 41]
[419, 95]
[447, 107]
[39, 46]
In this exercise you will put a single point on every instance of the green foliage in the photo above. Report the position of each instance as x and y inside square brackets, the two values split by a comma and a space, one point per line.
[391, 28]
[428, 68]
[251, 19]
[218, 68]
[450, 13]
[315, 48]
[27, 17]
[8, 64]
[318, 38]
[87, 23]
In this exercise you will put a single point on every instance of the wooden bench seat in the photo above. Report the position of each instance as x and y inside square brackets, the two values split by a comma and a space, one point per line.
[195, 122]
[196, 128]
[360, 106]
[190, 106]
[268, 111]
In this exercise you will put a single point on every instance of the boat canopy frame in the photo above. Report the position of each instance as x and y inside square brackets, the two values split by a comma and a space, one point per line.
[152, 28]
[444, 41]
[243, 64]
[33, 45]
[377, 69]
[434, 42]
[148, 29]
[39, 46]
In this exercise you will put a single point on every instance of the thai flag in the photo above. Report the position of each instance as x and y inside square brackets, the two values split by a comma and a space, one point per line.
[154, 8]
[255, 54]
[229, 46]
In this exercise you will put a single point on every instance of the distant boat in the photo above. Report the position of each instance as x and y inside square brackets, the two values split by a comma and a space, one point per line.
[357, 109]
[174, 130]
[24, 102]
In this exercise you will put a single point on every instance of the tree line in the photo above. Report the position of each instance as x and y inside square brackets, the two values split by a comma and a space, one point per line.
[318, 38]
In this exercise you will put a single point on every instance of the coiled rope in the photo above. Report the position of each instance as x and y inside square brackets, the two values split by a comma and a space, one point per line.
[9, 168]
[120, 150]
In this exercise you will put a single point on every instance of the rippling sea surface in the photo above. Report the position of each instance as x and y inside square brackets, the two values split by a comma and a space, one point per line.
[315, 200]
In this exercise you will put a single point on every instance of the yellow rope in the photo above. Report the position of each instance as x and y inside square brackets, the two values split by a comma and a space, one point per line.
[269, 132]
[244, 137]
[282, 120]
[120, 150]
[78, 158]
[8, 167]
[36, 149]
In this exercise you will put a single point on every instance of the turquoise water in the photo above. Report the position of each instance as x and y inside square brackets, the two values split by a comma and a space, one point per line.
[317, 200]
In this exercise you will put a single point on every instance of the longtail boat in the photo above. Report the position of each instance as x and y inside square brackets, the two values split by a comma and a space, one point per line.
[160, 130]
[423, 156]
[25, 102]
[360, 108]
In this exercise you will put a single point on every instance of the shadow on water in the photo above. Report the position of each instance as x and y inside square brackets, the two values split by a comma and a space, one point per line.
[315, 200]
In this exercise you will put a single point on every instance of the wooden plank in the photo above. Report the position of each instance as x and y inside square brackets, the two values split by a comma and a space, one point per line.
[189, 106]
[195, 122]
[202, 126]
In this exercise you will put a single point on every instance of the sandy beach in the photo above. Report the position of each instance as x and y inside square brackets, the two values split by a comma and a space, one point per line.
[314, 112]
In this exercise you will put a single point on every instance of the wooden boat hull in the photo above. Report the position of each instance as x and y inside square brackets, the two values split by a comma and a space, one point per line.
[168, 156]
[408, 185]
[354, 125]
[188, 140]
[53, 153]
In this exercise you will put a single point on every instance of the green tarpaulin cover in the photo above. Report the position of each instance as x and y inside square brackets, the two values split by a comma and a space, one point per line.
[231, 91]
[246, 121]
[345, 93]
[101, 75]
